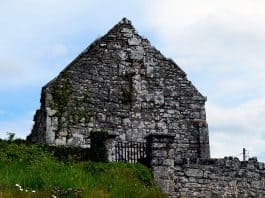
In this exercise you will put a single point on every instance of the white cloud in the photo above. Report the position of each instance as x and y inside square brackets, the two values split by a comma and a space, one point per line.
[34, 35]
[202, 33]
[228, 144]
[42, 37]
[232, 128]
[172, 17]
[248, 115]
[18, 74]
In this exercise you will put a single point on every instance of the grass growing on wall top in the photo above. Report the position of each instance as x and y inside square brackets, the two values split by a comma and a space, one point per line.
[34, 169]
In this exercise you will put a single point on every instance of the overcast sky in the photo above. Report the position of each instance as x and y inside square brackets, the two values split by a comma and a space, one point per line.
[220, 44]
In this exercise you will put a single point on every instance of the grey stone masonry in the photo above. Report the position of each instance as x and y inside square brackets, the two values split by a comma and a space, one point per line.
[161, 155]
[110, 146]
[122, 84]
[220, 178]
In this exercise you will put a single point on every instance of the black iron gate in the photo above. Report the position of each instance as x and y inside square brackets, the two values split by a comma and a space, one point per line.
[131, 152]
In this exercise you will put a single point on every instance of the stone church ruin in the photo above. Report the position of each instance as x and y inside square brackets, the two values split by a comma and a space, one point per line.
[123, 85]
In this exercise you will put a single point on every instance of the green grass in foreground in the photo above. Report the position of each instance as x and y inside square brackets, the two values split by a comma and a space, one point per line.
[35, 169]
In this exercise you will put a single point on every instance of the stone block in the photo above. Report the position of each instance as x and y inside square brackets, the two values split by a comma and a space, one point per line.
[194, 173]
[134, 41]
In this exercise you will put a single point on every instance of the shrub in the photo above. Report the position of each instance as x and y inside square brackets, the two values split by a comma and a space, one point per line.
[68, 153]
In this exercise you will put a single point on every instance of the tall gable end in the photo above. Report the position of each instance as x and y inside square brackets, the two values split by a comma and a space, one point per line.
[124, 85]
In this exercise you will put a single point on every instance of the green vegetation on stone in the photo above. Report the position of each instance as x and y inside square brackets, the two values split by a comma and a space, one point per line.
[127, 92]
[70, 110]
[61, 94]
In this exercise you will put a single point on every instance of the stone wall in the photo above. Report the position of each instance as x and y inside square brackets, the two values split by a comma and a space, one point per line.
[161, 154]
[122, 84]
[200, 178]
[226, 177]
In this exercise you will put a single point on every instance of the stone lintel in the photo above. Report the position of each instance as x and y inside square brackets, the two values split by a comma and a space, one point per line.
[160, 135]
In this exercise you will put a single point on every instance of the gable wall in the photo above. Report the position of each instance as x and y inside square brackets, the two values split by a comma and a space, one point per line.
[133, 91]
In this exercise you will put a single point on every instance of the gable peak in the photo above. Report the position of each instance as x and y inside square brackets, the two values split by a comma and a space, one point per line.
[124, 20]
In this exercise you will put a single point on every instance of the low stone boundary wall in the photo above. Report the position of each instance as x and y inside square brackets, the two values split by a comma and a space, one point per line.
[227, 177]
[199, 178]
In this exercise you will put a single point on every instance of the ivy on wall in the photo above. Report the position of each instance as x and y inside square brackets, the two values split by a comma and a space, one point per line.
[70, 110]
[61, 93]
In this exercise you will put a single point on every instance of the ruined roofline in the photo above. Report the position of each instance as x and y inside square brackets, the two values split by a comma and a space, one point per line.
[121, 84]
[87, 49]
[128, 24]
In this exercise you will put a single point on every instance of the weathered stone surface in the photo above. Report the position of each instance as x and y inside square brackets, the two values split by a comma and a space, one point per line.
[220, 178]
[134, 41]
[161, 157]
[194, 172]
[124, 85]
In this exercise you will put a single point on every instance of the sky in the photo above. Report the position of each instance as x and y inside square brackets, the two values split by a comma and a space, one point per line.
[220, 44]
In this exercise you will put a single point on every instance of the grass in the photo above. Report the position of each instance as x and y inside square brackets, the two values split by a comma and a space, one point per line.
[33, 168]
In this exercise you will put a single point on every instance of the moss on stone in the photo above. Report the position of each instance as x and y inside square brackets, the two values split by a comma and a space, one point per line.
[127, 92]
[70, 110]
[61, 93]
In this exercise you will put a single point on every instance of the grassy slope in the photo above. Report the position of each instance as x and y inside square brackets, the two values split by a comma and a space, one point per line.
[35, 169]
